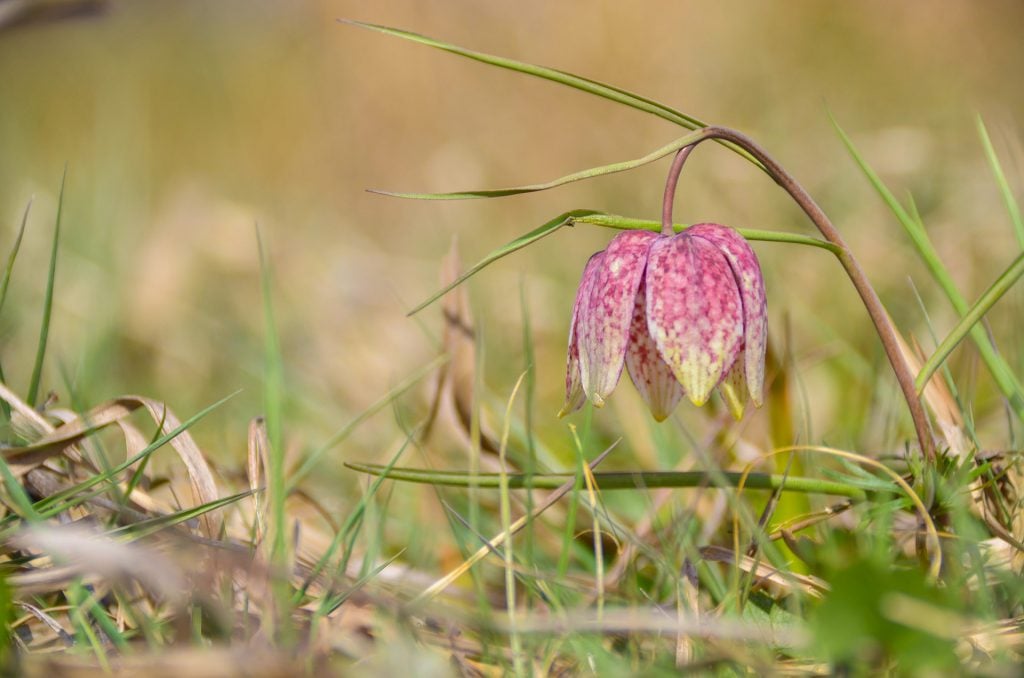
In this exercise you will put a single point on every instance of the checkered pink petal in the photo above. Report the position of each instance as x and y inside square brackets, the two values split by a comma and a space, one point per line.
[694, 311]
[604, 321]
[747, 274]
[652, 376]
[574, 395]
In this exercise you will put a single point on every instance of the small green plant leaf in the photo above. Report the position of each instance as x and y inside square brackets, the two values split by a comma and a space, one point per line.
[590, 173]
[970, 320]
[1004, 186]
[44, 328]
[5, 281]
[997, 365]
[630, 223]
[561, 77]
[595, 87]
[615, 480]
[145, 528]
[519, 243]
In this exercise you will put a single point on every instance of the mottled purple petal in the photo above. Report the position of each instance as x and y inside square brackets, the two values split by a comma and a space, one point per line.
[694, 312]
[652, 376]
[574, 395]
[734, 388]
[603, 330]
[747, 272]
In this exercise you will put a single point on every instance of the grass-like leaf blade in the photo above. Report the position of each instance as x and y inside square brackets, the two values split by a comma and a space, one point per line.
[9, 267]
[613, 480]
[44, 328]
[519, 243]
[1004, 186]
[588, 85]
[631, 223]
[590, 173]
[970, 320]
[997, 366]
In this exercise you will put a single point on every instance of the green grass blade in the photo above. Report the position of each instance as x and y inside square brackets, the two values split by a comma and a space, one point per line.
[44, 329]
[9, 267]
[145, 528]
[513, 246]
[273, 404]
[77, 597]
[347, 532]
[590, 173]
[19, 498]
[561, 77]
[273, 395]
[332, 603]
[630, 223]
[597, 88]
[1004, 186]
[996, 364]
[616, 480]
[970, 320]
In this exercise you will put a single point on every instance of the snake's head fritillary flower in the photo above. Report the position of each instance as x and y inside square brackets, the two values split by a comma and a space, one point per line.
[685, 314]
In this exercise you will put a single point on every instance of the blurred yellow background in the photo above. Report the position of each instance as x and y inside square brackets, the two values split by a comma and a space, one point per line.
[183, 124]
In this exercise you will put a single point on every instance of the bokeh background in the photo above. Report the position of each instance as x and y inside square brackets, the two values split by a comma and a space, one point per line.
[185, 124]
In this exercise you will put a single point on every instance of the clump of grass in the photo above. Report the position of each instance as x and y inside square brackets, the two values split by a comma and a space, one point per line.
[894, 562]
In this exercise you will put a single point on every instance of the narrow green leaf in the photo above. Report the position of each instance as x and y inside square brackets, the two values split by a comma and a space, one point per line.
[590, 173]
[350, 530]
[273, 399]
[22, 502]
[630, 223]
[613, 480]
[44, 329]
[603, 90]
[997, 366]
[145, 528]
[970, 320]
[332, 603]
[9, 268]
[513, 246]
[1004, 185]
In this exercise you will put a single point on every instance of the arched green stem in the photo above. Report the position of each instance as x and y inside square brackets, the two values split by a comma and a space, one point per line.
[883, 324]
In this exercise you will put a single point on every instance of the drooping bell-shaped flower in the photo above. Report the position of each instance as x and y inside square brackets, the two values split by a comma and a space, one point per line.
[685, 313]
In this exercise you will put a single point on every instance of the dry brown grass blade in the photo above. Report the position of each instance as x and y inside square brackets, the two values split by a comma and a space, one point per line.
[57, 440]
[256, 466]
[939, 400]
[194, 662]
[787, 580]
[23, 409]
[85, 551]
[201, 477]
[453, 398]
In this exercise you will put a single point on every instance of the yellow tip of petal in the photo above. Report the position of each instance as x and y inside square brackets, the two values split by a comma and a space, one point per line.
[597, 400]
[699, 402]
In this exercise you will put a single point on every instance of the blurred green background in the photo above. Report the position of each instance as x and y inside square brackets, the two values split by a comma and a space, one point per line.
[183, 124]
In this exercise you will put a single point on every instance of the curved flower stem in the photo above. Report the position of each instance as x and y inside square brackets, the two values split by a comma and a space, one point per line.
[670, 187]
[883, 324]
